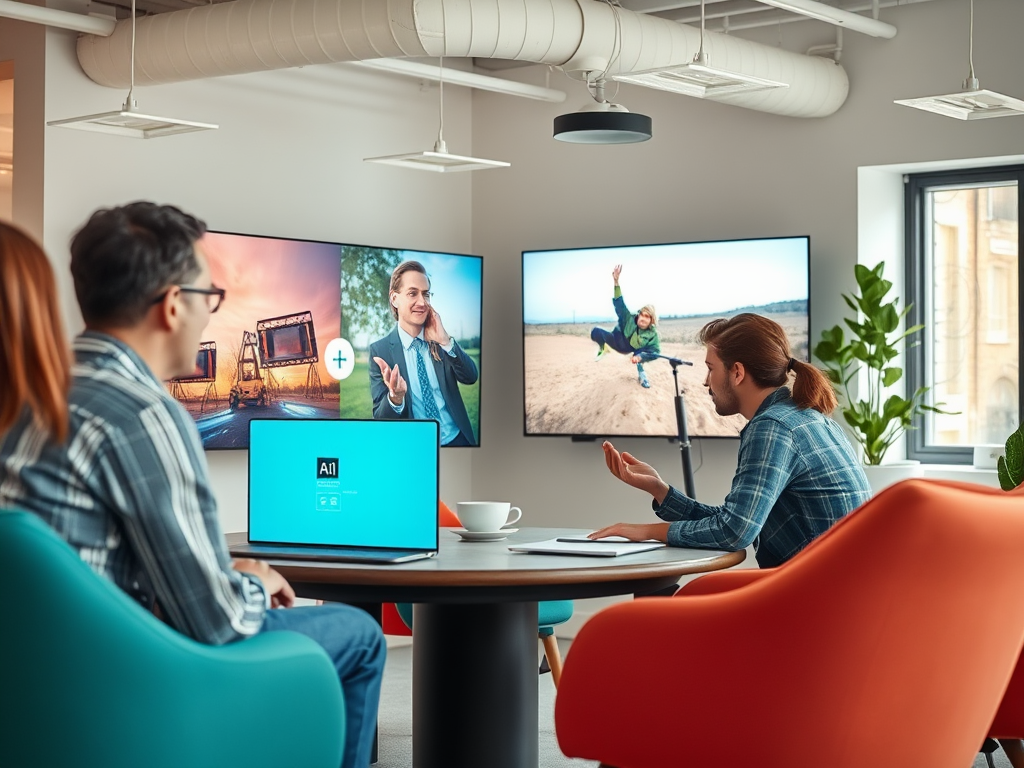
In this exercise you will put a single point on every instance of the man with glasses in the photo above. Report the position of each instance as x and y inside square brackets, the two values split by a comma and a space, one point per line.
[129, 487]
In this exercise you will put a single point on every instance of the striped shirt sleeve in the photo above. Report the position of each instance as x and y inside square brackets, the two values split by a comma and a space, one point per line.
[156, 473]
[764, 469]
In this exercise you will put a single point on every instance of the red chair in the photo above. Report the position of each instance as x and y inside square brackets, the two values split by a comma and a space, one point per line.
[1008, 725]
[888, 642]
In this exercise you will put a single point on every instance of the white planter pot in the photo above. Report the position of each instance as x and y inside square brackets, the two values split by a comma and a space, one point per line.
[883, 475]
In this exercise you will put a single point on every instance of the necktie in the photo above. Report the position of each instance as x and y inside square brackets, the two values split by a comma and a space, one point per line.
[429, 405]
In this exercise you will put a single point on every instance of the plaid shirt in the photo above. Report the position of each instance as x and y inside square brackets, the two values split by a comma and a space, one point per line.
[797, 475]
[129, 491]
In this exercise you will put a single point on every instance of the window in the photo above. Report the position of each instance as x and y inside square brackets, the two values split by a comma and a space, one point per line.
[1002, 203]
[964, 281]
[1000, 296]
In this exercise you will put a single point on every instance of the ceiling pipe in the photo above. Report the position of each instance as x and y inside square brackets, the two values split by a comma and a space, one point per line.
[51, 17]
[95, 25]
[577, 35]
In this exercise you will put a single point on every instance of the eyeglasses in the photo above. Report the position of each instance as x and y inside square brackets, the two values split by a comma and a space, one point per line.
[214, 295]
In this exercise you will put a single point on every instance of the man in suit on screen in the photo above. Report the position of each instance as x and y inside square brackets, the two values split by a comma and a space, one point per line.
[418, 365]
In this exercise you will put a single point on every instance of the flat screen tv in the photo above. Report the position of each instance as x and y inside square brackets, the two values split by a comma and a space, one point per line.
[568, 305]
[295, 311]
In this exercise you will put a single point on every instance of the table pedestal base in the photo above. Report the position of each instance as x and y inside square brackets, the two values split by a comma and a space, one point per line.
[488, 718]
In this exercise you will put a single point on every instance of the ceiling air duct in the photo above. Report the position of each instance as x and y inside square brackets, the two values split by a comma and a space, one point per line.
[257, 35]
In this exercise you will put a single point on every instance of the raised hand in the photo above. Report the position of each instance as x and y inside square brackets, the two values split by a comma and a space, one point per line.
[634, 472]
[433, 330]
[393, 381]
[616, 272]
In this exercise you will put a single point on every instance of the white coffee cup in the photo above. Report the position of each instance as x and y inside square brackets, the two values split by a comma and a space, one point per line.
[486, 516]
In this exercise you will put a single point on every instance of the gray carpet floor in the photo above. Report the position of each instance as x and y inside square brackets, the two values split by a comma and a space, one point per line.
[395, 720]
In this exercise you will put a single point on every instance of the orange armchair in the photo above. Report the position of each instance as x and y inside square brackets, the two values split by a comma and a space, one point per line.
[887, 642]
[1009, 719]
[1008, 725]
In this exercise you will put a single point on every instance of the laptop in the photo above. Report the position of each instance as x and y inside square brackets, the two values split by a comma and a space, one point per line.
[342, 490]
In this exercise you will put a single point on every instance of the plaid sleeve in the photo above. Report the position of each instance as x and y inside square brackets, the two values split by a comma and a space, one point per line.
[157, 475]
[764, 469]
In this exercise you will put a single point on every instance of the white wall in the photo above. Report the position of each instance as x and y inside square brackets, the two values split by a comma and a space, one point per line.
[286, 161]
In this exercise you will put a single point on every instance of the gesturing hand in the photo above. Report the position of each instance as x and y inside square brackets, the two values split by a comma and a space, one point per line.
[616, 272]
[393, 381]
[433, 330]
[634, 472]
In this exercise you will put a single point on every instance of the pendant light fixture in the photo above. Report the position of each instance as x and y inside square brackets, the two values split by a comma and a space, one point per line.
[971, 103]
[129, 121]
[440, 159]
[602, 121]
[699, 78]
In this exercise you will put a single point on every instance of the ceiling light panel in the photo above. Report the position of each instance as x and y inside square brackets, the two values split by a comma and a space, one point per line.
[968, 105]
[440, 162]
[133, 124]
[700, 80]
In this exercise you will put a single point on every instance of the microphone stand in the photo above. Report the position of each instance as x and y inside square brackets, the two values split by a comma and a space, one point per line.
[684, 436]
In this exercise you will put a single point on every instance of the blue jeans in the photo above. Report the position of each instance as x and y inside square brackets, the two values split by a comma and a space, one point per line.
[615, 339]
[355, 643]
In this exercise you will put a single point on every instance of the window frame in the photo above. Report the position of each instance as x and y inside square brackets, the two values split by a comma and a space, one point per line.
[917, 284]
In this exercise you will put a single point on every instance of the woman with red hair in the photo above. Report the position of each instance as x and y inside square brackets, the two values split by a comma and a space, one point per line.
[35, 361]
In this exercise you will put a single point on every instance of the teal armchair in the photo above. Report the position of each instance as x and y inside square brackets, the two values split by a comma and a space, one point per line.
[90, 678]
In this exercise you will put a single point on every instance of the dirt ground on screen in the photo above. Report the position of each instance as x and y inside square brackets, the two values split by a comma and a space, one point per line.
[568, 392]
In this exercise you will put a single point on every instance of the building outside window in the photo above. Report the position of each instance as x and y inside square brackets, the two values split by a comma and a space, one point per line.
[964, 280]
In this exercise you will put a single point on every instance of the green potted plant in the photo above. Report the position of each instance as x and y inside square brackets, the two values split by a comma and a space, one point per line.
[876, 419]
[1011, 465]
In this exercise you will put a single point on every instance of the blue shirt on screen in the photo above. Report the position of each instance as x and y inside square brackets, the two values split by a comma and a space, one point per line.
[449, 429]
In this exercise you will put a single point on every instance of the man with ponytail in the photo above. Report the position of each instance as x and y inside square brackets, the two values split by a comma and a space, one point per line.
[797, 473]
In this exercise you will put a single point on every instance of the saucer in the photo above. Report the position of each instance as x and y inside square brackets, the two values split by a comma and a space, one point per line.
[484, 535]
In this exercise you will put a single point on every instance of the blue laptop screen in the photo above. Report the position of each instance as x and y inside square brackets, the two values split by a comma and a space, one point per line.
[355, 483]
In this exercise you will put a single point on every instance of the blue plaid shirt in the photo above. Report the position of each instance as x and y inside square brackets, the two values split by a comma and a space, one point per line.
[129, 491]
[797, 475]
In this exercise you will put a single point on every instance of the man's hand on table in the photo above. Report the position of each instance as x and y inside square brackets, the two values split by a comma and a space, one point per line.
[634, 532]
